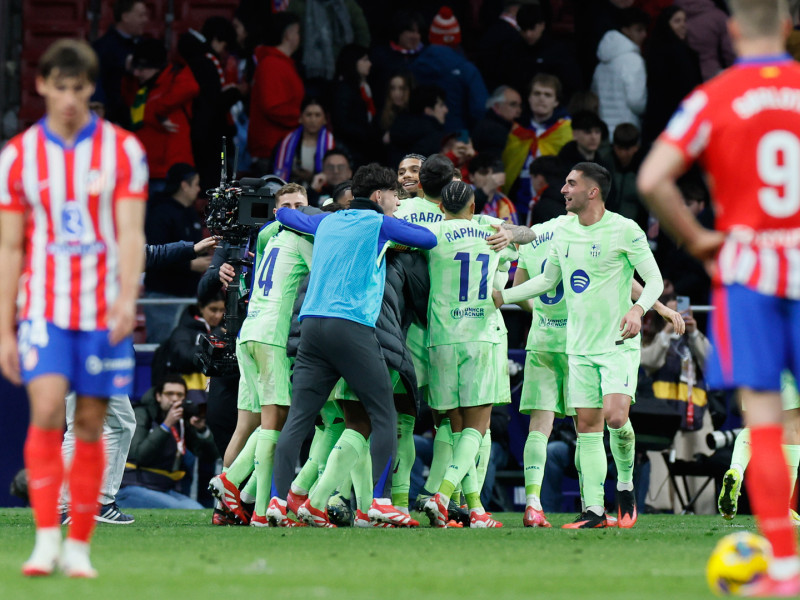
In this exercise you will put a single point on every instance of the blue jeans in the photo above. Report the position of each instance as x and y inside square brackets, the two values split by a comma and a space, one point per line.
[135, 496]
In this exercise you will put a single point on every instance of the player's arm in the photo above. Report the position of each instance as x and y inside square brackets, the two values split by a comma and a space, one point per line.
[533, 287]
[508, 233]
[656, 183]
[294, 219]
[130, 239]
[653, 287]
[11, 246]
[520, 277]
[407, 234]
[669, 315]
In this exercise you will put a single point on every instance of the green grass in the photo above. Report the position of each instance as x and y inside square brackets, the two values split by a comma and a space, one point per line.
[177, 554]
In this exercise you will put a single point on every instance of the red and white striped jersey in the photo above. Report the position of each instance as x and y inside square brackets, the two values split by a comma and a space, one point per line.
[70, 275]
[744, 128]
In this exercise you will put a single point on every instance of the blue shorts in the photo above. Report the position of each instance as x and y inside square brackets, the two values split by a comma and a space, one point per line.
[86, 359]
[754, 337]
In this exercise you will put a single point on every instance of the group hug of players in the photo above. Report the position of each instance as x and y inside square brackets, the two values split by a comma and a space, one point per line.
[575, 269]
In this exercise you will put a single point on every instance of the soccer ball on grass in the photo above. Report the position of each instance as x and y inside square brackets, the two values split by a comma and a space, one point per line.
[738, 559]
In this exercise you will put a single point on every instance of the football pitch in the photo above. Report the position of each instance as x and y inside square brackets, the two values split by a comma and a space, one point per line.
[177, 554]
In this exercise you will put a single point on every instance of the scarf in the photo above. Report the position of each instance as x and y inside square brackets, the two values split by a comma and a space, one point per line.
[290, 145]
[366, 96]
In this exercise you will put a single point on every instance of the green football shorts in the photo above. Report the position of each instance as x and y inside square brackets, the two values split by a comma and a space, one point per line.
[342, 391]
[463, 375]
[264, 376]
[545, 384]
[594, 376]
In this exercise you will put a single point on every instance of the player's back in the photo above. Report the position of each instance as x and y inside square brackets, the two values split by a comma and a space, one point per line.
[419, 211]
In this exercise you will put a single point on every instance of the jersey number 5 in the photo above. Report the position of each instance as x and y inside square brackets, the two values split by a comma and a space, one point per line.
[267, 267]
[778, 155]
[483, 288]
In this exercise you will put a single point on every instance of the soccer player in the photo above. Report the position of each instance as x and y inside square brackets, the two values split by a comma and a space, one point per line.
[408, 175]
[282, 261]
[597, 253]
[72, 191]
[461, 339]
[744, 128]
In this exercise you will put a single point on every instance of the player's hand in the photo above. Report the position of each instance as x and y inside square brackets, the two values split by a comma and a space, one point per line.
[705, 245]
[9, 359]
[174, 415]
[497, 296]
[673, 319]
[226, 275]
[501, 239]
[631, 323]
[205, 246]
[121, 320]
[198, 423]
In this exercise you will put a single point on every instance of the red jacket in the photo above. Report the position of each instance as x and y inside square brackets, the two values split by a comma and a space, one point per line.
[275, 101]
[170, 98]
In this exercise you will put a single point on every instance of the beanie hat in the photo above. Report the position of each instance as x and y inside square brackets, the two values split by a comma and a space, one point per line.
[445, 30]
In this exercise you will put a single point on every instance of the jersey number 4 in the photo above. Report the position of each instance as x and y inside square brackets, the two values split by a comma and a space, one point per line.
[483, 288]
[267, 268]
[778, 155]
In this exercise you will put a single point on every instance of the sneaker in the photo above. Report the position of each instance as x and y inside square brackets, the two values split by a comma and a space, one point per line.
[436, 511]
[361, 520]
[259, 521]
[482, 520]
[534, 518]
[276, 513]
[223, 518]
[74, 561]
[728, 500]
[110, 513]
[626, 509]
[46, 553]
[341, 514]
[454, 524]
[293, 501]
[383, 511]
[587, 520]
[313, 516]
[227, 493]
[767, 587]
[611, 521]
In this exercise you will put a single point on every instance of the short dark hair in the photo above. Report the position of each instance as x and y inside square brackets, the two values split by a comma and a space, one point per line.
[529, 16]
[692, 190]
[597, 173]
[70, 58]
[373, 177]
[346, 62]
[420, 157]
[633, 16]
[310, 101]
[626, 135]
[219, 28]
[482, 161]
[550, 167]
[586, 120]
[435, 173]
[405, 20]
[210, 297]
[341, 189]
[425, 96]
[170, 378]
[455, 196]
[339, 151]
[277, 27]
[123, 6]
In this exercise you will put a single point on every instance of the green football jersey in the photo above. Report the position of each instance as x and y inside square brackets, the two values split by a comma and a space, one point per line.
[597, 264]
[282, 261]
[419, 211]
[549, 324]
[462, 268]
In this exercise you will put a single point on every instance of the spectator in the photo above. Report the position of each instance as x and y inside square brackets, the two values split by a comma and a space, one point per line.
[620, 80]
[172, 217]
[354, 113]
[422, 130]
[489, 200]
[300, 153]
[166, 439]
[277, 92]
[459, 149]
[593, 18]
[503, 109]
[159, 115]
[499, 42]
[708, 35]
[547, 177]
[442, 63]
[400, 53]
[398, 94]
[587, 134]
[336, 169]
[114, 49]
[624, 197]
[673, 70]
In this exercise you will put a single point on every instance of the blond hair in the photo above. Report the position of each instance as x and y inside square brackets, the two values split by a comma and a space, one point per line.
[291, 188]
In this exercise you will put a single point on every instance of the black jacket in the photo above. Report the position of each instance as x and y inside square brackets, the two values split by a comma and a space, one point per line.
[162, 255]
[550, 205]
[351, 125]
[113, 50]
[414, 133]
[491, 134]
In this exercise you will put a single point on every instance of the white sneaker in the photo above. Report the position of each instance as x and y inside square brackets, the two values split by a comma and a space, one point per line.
[45, 553]
[75, 561]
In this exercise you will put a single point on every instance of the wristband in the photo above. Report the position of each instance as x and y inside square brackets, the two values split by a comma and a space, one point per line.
[165, 428]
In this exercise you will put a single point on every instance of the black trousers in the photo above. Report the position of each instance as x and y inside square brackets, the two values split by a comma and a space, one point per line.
[330, 349]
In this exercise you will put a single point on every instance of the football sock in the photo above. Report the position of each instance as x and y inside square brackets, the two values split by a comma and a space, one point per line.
[792, 453]
[484, 456]
[343, 458]
[330, 436]
[623, 449]
[768, 488]
[264, 461]
[464, 455]
[741, 451]
[250, 489]
[346, 487]
[442, 456]
[242, 465]
[308, 474]
[578, 469]
[456, 495]
[534, 457]
[472, 491]
[85, 479]
[406, 454]
[362, 479]
[593, 466]
[45, 473]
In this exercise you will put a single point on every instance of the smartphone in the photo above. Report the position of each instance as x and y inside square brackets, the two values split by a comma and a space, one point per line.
[463, 136]
[683, 304]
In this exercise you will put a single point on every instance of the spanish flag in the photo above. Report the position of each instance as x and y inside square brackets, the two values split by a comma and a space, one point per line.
[523, 142]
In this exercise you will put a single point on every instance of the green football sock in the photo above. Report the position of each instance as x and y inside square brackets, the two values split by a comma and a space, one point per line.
[264, 460]
[464, 456]
[792, 453]
[329, 438]
[534, 457]
[593, 466]
[346, 487]
[484, 456]
[472, 484]
[741, 451]
[406, 453]
[343, 458]
[242, 465]
[623, 449]
[442, 456]
[578, 469]
[309, 473]
[362, 479]
[456, 495]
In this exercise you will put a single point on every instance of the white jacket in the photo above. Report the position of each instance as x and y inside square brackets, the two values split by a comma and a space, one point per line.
[620, 80]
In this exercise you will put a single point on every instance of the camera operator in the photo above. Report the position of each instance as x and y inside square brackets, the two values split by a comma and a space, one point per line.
[167, 430]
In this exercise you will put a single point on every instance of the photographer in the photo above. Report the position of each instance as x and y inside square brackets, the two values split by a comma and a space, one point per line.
[157, 461]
